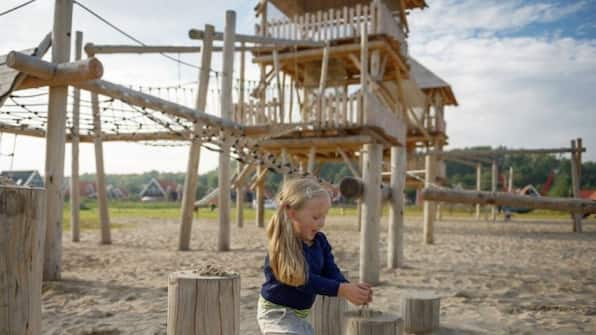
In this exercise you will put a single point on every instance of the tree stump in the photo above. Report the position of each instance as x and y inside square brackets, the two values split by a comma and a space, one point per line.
[420, 311]
[203, 302]
[370, 322]
[327, 315]
[22, 237]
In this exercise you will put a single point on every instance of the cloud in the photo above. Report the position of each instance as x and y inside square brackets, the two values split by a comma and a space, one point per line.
[518, 91]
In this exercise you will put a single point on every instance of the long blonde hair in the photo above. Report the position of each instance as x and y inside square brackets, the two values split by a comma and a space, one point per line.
[286, 257]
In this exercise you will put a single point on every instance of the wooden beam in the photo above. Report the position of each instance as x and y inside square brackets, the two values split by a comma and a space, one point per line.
[75, 193]
[508, 199]
[194, 154]
[102, 197]
[197, 34]
[227, 108]
[95, 49]
[371, 214]
[575, 186]
[349, 163]
[395, 233]
[429, 211]
[501, 152]
[45, 73]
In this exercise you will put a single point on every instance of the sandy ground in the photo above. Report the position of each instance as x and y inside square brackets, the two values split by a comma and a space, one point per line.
[521, 277]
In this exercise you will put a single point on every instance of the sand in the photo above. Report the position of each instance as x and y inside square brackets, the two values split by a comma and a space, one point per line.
[520, 277]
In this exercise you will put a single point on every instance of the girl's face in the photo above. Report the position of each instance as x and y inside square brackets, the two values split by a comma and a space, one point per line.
[309, 219]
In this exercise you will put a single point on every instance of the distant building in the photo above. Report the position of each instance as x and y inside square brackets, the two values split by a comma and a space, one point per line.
[29, 178]
[157, 190]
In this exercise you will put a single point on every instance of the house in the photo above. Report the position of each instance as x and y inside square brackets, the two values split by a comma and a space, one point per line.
[161, 189]
[29, 178]
[588, 194]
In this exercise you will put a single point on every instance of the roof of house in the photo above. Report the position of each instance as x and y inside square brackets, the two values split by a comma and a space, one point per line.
[19, 177]
[588, 194]
[168, 184]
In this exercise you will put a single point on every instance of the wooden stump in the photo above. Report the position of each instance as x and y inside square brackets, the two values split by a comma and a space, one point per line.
[22, 236]
[203, 303]
[327, 315]
[370, 322]
[420, 311]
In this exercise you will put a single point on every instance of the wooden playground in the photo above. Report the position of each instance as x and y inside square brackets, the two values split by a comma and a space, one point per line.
[336, 84]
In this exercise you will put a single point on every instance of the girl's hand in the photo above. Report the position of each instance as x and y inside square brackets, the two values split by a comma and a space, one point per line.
[358, 294]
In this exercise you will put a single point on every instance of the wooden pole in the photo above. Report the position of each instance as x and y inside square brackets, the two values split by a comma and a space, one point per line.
[478, 187]
[55, 142]
[240, 186]
[508, 199]
[510, 180]
[203, 303]
[493, 187]
[312, 159]
[371, 208]
[226, 113]
[429, 207]
[363, 73]
[75, 194]
[261, 197]
[22, 235]
[102, 197]
[284, 162]
[575, 187]
[194, 154]
[395, 235]
[359, 201]
[371, 322]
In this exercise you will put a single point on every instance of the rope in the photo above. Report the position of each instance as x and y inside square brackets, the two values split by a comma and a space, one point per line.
[17, 7]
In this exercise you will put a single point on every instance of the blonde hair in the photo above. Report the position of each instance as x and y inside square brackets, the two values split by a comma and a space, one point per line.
[286, 257]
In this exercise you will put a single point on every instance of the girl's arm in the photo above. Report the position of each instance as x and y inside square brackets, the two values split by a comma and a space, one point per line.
[330, 269]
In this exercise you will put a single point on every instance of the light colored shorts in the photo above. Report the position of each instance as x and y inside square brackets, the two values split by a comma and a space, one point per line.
[281, 320]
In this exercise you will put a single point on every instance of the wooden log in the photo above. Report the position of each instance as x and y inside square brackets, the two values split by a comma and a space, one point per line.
[395, 234]
[226, 113]
[371, 214]
[327, 315]
[353, 187]
[194, 154]
[506, 199]
[96, 49]
[370, 322]
[55, 144]
[42, 73]
[102, 197]
[429, 210]
[197, 34]
[75, 194]
[22, 235]
[260, 186]
[420, 312]
[203, 304]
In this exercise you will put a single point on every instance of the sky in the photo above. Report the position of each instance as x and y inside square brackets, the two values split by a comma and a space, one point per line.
[523, 72]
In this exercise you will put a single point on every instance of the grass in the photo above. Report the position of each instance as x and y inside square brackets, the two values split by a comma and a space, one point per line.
[89, 217]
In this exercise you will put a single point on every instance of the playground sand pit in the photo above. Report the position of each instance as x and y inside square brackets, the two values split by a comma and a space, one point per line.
[521, 277]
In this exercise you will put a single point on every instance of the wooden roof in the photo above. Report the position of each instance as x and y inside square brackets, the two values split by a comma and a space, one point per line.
[427, 80]
[291, 8]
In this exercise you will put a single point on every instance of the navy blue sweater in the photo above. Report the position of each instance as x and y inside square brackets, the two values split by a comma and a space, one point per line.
[323, 278]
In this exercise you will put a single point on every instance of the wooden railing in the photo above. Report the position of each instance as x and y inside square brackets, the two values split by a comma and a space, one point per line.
[338, 24]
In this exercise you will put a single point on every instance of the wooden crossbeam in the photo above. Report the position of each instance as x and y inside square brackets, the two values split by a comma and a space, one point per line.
[96, 49]
[197, 34]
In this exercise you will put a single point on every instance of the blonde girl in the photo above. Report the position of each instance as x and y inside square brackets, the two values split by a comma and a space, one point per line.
[299, 262]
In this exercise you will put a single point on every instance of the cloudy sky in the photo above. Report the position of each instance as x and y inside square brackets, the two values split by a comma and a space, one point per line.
[524, 72]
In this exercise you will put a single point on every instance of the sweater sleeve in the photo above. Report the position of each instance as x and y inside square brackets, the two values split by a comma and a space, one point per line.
[318, 284]
[330, 269]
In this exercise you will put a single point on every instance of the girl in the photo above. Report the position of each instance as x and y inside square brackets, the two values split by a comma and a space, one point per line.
[299, 264]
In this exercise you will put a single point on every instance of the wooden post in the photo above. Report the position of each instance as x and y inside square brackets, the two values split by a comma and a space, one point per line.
[194, 155]
[260, 197]
[493, 187]
[55, 142]
[575, 186]
[395, 235]
[226, 113]
[369, 238]
[420, 311]
[327, 315]
[429, 206]
[371, 322]
[312, 159]
[242, 120]
[478, 187]
[203, 304]
[359, 201]
[284, 161]
[74, 167]
[102, 197]
[22, 235]
[510, 180]
[364, 72]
